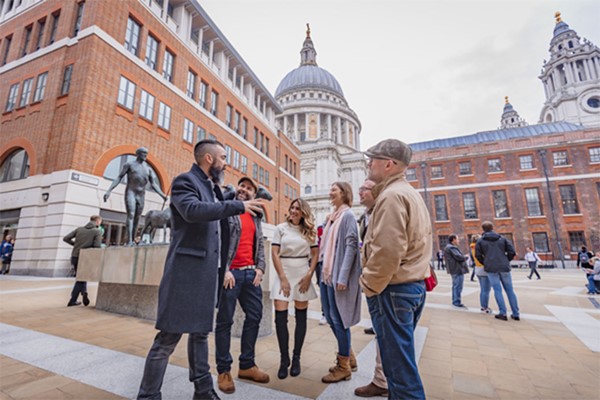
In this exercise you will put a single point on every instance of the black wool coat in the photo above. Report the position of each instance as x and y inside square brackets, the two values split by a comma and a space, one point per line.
[191, 280]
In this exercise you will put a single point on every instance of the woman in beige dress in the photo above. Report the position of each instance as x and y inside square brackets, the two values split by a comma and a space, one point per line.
[294, 244]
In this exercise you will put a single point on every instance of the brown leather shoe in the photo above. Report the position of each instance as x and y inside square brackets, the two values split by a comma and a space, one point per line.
[225, 382]
[254, 374]
[371, 390]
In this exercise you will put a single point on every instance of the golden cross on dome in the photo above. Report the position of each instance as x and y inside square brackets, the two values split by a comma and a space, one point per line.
[307, 30]
[557, 16]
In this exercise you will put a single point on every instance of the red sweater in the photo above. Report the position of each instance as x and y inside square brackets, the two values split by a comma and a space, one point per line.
[245, 252]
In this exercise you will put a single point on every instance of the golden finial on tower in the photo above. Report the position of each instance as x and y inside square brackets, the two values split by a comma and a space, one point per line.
[505, 99]
[307, 30]
[557, 16]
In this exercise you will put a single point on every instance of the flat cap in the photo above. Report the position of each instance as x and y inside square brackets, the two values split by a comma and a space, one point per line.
[393, 149]
[249, 180]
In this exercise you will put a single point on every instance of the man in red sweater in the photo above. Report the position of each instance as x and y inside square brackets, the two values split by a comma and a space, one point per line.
[244, 270]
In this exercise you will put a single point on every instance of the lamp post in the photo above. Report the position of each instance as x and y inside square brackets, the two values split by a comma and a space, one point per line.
[542, 153]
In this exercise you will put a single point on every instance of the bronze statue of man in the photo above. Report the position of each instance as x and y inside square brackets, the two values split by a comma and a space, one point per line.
[138, 175]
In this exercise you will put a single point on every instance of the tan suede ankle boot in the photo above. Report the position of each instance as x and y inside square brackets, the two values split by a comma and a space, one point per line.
[340, 372]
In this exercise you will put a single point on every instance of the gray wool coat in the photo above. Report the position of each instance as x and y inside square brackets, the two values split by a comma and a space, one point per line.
[191, 280]
[346, 270]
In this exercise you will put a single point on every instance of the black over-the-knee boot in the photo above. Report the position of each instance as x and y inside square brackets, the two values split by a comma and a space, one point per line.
[283, 338]
[299, 335]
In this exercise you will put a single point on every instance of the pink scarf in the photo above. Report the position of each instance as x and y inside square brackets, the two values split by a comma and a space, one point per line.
[328, 242]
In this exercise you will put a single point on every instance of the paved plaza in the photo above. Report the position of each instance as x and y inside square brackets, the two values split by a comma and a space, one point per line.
[49, 351]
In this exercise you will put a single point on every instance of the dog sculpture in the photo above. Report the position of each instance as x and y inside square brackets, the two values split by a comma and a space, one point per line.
[156, 219]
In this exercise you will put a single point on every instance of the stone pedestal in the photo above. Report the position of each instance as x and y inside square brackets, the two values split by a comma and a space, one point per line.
[128, 280]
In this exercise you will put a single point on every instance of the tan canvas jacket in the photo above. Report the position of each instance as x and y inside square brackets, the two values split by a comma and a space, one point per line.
[398, 243]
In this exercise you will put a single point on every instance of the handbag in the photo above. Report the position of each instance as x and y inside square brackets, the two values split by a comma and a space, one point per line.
[432, 281]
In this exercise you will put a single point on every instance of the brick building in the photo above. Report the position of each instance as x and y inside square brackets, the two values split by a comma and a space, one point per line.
[85, 83]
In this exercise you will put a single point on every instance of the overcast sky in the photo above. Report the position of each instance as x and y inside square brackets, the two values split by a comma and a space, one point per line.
[411, 69]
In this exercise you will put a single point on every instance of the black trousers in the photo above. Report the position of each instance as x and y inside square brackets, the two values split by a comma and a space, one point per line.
[80, 287]
[158, 359]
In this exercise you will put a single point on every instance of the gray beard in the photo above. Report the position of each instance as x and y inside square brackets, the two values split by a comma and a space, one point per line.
[216, 175]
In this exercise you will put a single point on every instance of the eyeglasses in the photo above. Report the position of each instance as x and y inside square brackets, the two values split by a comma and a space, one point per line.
[364, 189]
[371, 158]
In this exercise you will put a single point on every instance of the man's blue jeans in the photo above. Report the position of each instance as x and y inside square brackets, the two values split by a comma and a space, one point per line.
[591, 284]
[395, 313]
[484, 294]
[457, 287]
[504, 279]
[335, 320]
[250, 298]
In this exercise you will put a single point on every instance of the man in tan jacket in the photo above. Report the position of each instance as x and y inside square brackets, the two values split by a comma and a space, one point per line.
[396, 255]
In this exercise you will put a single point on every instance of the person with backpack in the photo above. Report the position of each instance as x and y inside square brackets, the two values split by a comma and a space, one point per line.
[584, 257]
[6, 250]
[532, 259]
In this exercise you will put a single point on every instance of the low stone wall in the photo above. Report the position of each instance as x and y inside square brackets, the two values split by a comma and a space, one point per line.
[128, 279]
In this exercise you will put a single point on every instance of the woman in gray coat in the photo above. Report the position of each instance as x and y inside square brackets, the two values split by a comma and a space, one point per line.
[340, 289]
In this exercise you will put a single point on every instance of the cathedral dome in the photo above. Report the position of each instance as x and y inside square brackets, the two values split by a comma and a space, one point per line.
[309, 77]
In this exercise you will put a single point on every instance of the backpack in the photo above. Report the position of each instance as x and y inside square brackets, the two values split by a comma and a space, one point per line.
[584, 258]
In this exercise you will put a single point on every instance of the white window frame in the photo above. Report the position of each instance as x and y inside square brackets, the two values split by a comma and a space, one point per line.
[164, 116]
[40, 87]
[26, 93]
[126, 95]
[151, 52]
[168, 65]
[11, 101]
[147, 105]
[132, 36]
[188, 130]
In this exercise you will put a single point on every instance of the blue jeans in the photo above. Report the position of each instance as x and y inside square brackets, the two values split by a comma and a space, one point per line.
[395, 313]
[332, 315]
[504, 278]
[250, 298]
[591, 284]
[484, 294]
[457, 287]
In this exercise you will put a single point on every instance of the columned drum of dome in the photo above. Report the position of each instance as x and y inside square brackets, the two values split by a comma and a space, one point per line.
[316, 116]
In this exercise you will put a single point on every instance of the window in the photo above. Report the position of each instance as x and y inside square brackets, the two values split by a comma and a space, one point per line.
[411, 174]
[132, 36]
[214, 98]
[526, 162]
[228, 112]
[77, 25]
[151, 52]
[441, 211]
[469, 205]
[126, 93]
[594, 154]
[244, 164]
[40, 33]
[464, 168]
[191, 84]
[254, 171]
[164, 116]
[494, 165]
[228, 154]
[437, 172]
[147, 106]
[40, 87]
[66, 83]
[443, 241]
[168, 66]
[261, 142]
[188, 130]
[534, 205]
[576, 240]
[261, 175]
[26, 93]
[245, 128]
[307, 189]
[55, 19]
[568, 197]
[7, 42]
[236, 122]
[202, 97]
[540, 242]
[11, 101]
[27, 40]
[16, 166]
[256, 137]
[201, 133]
[236, 159]
[500, 203]
[267, 178]
[560, 158]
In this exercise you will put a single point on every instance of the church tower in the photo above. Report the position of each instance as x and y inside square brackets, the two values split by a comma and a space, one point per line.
[571, 78]
[317, 117]
[510, 117]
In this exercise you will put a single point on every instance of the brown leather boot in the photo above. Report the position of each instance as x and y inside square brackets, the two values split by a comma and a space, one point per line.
[253, 374]
[371, 390]
[340, 372]
[225, 382]
[353, 363]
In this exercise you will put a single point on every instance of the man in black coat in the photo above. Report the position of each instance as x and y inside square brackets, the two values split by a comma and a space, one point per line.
[495, 253]
[456, 265]
[194, 269]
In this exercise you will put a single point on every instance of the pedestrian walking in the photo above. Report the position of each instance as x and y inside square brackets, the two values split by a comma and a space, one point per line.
[532, 259]
[456, 265]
